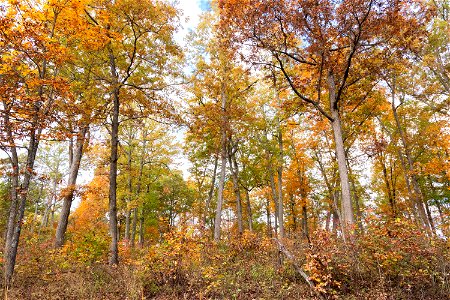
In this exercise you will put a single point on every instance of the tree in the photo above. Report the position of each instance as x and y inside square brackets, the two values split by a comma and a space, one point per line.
[323, 49]
[220, 85]
[33, 51]
[137, 54]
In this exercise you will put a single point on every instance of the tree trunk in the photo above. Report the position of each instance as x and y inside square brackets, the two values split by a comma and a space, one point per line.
[416, 193]
[129, 197]
[269, 221]
[19, 195]
[305, 227]
[280, 182]
[333, 197]
[249, 210]
[235, 177]
[346, 201]
[223, 159]
[274, 197]
[141, 229]
[70, 189]
[211, 190]
[388, 185]
[8, 252]
[127, 225]
[114, 250]
[133, 227]
[138, 188]
[293, 212]
[13, 233]
[280, 161]
[357, 201]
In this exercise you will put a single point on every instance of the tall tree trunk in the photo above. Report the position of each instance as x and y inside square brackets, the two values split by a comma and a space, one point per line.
[305, 227]
[13, 235]
[280, 161]
[133, 227]
[268, 221]
[19, 196]
[9, 266]
[113, 249]
[280, 181]
[223, 160]
[357, 201]
[274, 197]
[70, 189]
[293, 212]
[390, 197]
[416, 194]
[138, 187]
[249, 209]
[127, 225]
[333, 197]
[346, 201]
[141, 229]
[235, 177]
[211, 190]
[130, 192]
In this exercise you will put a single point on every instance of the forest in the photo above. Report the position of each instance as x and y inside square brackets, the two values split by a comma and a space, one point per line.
[279, 149]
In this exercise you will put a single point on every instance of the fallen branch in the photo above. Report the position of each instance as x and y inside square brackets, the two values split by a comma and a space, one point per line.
[299, 270]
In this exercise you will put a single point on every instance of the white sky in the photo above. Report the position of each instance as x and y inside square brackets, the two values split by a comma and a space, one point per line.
[191, 12]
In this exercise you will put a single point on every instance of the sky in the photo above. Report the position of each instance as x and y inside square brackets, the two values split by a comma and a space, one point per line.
[191, 13]
[192, 10]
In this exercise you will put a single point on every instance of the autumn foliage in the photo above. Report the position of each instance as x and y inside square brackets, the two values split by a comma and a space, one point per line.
[283, 149]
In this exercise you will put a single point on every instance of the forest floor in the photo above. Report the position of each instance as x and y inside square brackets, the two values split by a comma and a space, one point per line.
[250, 267]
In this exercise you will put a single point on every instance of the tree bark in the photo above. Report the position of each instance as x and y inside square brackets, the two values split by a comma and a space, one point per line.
[129, 198]
[416, 194]
[280, 181]
[223, 159]
[389, 192]
[113, 249]
[346, 201]
[133, 227]
[70, 189]
[268, 221]
[249, 210]
[293, 212]
[333, 205]
[141, 229]
[274, 197]
[211, 190]
[9, 266]
[138, 187]
[13, 233]
[235, 177]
